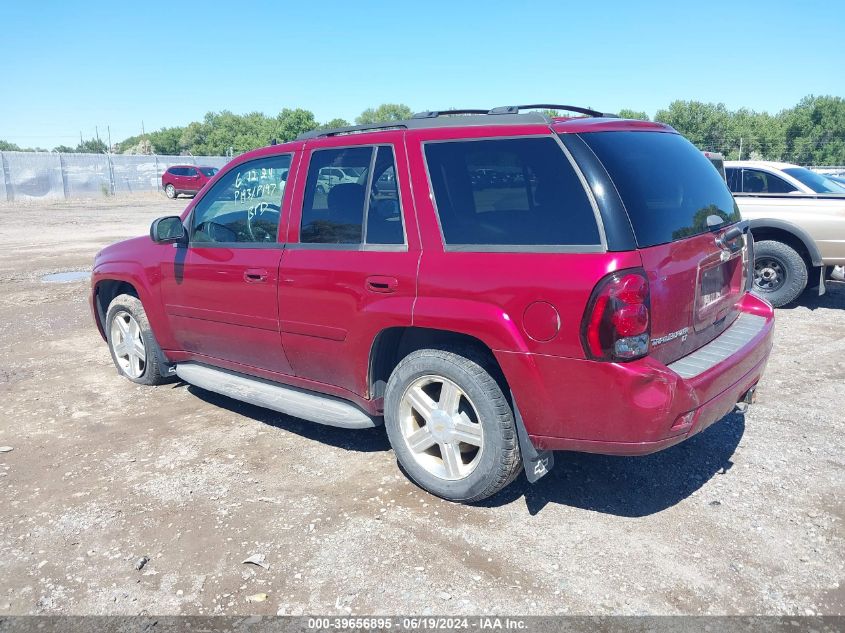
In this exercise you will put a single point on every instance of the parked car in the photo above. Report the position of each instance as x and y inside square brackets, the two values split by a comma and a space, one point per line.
[331, 176]
[599, 303]
[797, 218]
[718, 161]
[185, 179]
[839, 180]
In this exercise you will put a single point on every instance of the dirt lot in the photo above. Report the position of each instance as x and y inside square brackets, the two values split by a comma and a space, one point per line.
[746, 518]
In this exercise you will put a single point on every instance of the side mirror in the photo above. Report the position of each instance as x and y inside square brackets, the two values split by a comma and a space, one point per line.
[168, 230]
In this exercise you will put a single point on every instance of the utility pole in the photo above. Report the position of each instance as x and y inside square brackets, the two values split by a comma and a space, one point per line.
[111, 166]
[740, 148]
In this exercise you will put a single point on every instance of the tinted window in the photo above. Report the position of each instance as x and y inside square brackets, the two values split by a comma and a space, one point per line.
[209, 171]
[815, 181]
[244, 205]
[384, 214]
[190, 171]
[333, 211]
[732, 174]
[669, 187]
[519, 192]
[756, 181]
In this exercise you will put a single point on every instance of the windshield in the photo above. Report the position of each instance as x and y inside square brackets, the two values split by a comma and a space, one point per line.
[816, 182]
[669, 188]
[209, 171]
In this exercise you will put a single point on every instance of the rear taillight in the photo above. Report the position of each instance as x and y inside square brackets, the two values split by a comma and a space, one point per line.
[616, 323]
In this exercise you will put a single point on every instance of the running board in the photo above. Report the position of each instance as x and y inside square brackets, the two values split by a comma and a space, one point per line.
[282, 398]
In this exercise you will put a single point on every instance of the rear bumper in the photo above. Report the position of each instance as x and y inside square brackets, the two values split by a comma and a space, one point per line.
[632, 408]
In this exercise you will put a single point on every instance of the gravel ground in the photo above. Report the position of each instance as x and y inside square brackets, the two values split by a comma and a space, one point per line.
[745, 518]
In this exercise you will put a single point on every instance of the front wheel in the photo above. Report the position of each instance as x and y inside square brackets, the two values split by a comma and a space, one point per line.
[450, 425]
[133, 347]
[780, 273]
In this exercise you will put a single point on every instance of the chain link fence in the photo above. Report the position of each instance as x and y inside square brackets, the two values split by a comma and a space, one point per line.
[46, 175]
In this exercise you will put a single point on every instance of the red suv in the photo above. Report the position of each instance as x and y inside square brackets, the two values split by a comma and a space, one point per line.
[185, 179]
[490, 285]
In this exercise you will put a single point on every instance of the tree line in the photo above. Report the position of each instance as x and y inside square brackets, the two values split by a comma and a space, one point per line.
[812, 132]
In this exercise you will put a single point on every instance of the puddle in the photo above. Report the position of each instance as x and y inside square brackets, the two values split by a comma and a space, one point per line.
[66, 277]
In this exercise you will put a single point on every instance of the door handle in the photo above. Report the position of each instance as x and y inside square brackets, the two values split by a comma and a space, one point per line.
[380, 283]
[255, 275]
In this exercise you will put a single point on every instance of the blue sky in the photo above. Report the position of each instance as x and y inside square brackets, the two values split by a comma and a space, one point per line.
[67, 68]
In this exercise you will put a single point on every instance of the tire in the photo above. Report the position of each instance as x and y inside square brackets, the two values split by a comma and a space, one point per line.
[129, 311]
[451, 468]
[780, 273]
[170, 192]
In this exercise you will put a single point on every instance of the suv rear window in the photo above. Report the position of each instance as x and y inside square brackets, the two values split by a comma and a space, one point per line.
[668, 187]
[515, 192]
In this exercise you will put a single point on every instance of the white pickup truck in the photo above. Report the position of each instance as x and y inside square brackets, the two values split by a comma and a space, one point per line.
[797, 218]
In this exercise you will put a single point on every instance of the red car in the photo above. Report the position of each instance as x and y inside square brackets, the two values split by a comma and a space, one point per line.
[593, 298]
[185, 179]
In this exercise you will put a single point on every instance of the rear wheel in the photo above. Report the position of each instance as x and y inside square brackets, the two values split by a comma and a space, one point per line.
[133, 347]
[450, 425]
[170, 191]
[780, 273]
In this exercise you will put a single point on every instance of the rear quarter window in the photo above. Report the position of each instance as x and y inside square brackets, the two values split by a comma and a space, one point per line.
[668, 187]
[509, 193]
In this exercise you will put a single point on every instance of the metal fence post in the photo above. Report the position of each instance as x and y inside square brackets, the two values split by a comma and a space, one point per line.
[7, 177]
[158, 175]
[64, 175]
[111, 172]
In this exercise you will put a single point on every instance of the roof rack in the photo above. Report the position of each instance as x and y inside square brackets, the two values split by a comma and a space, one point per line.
[431, 114]
[352, 129]
[549, 106]
[505, 115]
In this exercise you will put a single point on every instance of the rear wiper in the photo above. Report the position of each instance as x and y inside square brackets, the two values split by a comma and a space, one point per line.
[714, 222]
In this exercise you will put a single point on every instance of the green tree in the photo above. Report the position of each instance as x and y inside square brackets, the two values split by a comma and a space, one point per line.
[334, 123]
[625, 113]
[64, 149]
[91, 146]
[292, 123]
[814, 131]
[166, 140]
[384, 113]
[6, 146]
[707, 125]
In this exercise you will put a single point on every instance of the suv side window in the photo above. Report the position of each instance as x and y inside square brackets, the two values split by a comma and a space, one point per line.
[351, 197]
[756, 181]
[243, 206]
[518, 192]
[190, 171]
[384, 214]
[732, 176]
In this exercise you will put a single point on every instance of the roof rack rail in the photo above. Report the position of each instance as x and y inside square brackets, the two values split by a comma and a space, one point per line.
[431, 114]
[352, 129]
[549, 106]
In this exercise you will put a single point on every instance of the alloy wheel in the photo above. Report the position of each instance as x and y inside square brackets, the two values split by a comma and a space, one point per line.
[441, 427]
[128, 345]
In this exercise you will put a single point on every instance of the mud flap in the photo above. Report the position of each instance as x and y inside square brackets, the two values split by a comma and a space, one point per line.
[536, 463]
[822, 288]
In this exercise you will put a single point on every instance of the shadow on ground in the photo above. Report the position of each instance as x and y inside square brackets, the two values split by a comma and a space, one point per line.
[833, 298]
[622, 486]
[357, 440]
[632, 486]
